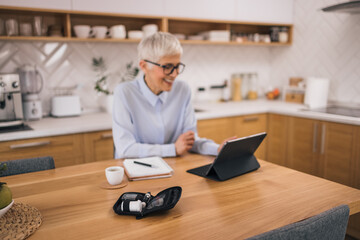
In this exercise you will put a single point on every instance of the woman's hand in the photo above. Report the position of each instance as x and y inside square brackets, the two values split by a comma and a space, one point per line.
[184, 142]
[228, 139]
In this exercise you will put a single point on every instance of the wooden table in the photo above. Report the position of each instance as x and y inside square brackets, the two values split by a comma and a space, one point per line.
[75, 207]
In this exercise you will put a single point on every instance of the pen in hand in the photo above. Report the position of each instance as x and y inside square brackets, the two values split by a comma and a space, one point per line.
[144, 164]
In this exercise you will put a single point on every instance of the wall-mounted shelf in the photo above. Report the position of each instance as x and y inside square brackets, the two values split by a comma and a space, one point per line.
[65, 20]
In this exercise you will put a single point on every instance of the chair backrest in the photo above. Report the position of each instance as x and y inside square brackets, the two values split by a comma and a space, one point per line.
[27, 165]
[329, 225]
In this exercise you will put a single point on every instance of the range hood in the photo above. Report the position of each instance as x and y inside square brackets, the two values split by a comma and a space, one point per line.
[346, 7]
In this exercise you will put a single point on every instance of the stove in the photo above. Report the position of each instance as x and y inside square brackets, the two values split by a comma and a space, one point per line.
[22, 127]
[339, 110]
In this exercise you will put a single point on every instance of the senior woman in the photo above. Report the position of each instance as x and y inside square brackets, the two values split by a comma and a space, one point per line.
[152, 114]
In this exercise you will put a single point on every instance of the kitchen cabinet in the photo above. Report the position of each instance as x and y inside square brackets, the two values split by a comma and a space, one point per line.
[354, 220]
[253, 124]
[65, 20]
[323, 149]
[220, 129]
[145, 7]
[357, 159]
[338, 153]
[320, 148]
[277, 139]
[98, 146]
[49, 4]
[303, 145]
[217, 129]
[221, 10]
[66, 150]
[279, 11]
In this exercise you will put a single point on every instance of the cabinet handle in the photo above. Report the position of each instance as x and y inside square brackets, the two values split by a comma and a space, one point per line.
[106, 135]
[31, 144]
[315, 137]
[323, 133]
[251, 119]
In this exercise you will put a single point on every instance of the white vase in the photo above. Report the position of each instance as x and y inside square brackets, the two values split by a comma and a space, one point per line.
[106, 103]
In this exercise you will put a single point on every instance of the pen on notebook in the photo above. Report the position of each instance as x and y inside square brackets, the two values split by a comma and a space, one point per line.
[144, 164]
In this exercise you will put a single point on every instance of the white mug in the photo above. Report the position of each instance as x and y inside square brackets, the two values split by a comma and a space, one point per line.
[149, 29]
[82, 31]
[25, 29]
[117, 31]
[135, 34]
[99, 31]
[11, 27]
[114, 175]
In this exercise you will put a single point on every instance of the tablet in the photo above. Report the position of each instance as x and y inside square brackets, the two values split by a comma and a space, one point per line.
[234, 159]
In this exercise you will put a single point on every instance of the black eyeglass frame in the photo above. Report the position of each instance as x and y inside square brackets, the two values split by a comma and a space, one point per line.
[165, 67]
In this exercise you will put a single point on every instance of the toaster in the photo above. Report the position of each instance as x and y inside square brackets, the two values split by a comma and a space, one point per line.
[65, 106]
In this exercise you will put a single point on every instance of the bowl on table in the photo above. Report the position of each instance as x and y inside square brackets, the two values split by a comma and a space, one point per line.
[5, 209]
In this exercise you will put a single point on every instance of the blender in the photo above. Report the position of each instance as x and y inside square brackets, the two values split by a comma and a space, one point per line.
[31, 82]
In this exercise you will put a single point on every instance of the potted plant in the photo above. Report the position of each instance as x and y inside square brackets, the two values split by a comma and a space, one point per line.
[5, 194]
[102, 85]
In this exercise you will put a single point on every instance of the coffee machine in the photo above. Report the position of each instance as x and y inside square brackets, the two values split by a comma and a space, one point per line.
[11, 112]
[31, 85]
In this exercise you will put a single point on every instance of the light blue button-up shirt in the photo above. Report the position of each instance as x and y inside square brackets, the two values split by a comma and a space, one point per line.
[145, 124]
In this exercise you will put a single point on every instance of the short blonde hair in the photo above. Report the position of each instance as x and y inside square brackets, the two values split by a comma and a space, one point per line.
[159, 45]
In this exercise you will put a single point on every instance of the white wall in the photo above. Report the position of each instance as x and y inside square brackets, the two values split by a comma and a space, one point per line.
[324, 45]
[69, 64]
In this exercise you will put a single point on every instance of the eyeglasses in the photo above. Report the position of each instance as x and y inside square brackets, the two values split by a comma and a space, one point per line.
[169, 68]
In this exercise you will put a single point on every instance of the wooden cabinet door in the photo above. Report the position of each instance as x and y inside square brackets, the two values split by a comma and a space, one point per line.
[357, 159]
[216, 129]
[303, 145]
[66, 150]
[98, 146]
[277, 139]
[338, 152]
[252, 124]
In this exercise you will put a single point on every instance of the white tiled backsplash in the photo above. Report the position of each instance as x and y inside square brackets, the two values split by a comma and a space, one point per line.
[324, 45]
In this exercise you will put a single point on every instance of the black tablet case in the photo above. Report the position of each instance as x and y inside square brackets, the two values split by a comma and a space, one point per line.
[235, 158]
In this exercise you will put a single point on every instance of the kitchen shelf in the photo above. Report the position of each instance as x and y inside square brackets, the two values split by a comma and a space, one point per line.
[65, 20]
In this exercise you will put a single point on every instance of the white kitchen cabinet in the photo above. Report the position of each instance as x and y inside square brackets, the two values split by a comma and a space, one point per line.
[216, 9]
[48, 4]
[272, 11]
[265, 11]
[143, 7]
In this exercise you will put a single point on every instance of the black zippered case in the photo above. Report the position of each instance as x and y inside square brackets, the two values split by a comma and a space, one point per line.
[163, 201]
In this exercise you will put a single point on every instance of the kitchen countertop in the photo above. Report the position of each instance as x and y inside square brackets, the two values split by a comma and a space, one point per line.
[102, 121]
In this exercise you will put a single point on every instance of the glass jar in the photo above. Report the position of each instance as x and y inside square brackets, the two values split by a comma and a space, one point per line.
[283, 35]
[253, 86]
[236, 82]
[245, 86]
[274, 34]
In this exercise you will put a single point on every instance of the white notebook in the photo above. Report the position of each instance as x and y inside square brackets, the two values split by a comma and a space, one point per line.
[159, 168]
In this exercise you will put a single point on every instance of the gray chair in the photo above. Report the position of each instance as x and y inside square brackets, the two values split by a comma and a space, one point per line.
[27, 165]
[328, 225]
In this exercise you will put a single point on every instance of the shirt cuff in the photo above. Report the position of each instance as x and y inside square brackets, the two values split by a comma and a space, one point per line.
[212, 149]
[168, 150]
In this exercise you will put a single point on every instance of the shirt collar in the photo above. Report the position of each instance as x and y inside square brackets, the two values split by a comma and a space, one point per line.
[149, 95]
